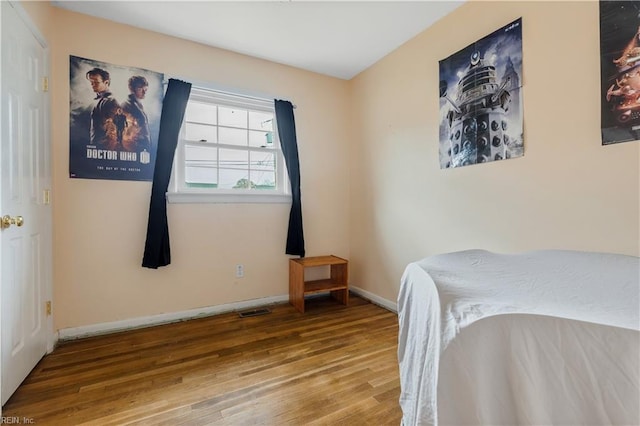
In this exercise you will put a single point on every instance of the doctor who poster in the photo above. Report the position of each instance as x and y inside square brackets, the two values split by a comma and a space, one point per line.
[620, 71]
[481, 118]
[114, 120]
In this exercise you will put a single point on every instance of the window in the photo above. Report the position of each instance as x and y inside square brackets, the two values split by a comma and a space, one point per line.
[228, 151]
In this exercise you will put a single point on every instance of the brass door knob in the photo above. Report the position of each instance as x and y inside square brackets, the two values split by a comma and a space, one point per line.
[7, 221]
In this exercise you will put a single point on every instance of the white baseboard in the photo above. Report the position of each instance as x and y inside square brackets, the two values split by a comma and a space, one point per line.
[373, 298]
[149, 321]
[129, 324]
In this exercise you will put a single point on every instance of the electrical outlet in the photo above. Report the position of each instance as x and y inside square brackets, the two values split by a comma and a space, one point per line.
[239, 271]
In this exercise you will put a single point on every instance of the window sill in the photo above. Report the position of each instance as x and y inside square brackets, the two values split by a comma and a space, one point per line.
[252, 198]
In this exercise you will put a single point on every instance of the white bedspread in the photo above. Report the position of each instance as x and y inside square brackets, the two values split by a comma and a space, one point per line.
[443, 294]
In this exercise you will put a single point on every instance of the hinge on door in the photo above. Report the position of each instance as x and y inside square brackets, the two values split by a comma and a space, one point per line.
[46, 196]
[45, 84]
[48, 307]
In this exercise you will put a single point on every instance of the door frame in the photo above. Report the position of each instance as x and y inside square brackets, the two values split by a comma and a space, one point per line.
[48, 267]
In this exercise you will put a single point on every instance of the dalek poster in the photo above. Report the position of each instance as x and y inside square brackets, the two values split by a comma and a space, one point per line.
[114, 120]
[481, 118]
[620, 71]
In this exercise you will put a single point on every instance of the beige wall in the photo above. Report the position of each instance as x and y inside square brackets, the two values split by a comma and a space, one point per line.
[371, 184]
[100, 225]
[567, 192]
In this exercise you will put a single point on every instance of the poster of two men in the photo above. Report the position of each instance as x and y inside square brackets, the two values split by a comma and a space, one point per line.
[114, 120]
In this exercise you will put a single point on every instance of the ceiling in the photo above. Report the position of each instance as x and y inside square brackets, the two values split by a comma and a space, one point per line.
[336, 38]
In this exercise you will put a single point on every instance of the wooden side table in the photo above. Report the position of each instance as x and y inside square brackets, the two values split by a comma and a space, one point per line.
[337, 284]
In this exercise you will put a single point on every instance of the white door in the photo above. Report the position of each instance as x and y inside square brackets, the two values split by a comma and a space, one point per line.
[25, 177]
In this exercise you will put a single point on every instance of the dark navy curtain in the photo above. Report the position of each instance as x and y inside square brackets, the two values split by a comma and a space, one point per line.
[289, 143]
[156, 250]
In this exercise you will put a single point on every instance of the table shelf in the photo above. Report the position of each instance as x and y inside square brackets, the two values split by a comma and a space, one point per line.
[337, 284]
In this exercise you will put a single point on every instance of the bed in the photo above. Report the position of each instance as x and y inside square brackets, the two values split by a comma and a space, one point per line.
[547, 337]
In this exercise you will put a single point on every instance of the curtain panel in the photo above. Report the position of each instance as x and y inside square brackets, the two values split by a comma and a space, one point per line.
[157, 251]
[287, 132]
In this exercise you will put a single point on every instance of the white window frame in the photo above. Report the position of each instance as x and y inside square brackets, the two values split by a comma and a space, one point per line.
[178, 191]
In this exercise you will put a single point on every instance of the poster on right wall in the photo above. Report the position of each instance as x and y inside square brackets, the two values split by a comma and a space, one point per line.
[620, 71]
[481, 114]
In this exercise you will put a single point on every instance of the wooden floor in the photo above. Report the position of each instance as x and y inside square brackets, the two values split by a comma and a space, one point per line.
[332, 365]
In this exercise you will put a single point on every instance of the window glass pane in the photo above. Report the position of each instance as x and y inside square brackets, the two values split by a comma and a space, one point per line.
[261, 138]
[232, 117]
[233, 136]
[264, 180]
[263, 170]
[234, 179]
[200, 112]
[199, 176]
[194, 154]
[263, 161]
[259, 120]
[200, 132]
[234, 159]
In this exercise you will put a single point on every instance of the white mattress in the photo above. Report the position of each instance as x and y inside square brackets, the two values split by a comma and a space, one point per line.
[566, 353]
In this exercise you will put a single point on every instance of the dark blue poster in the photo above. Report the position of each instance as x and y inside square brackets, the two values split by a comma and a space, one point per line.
[481, 117]
[114, 120]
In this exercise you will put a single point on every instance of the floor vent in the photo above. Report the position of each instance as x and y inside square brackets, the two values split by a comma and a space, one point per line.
[254, 312]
